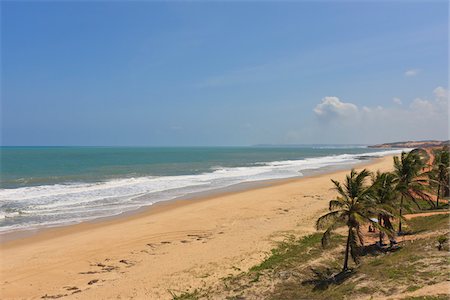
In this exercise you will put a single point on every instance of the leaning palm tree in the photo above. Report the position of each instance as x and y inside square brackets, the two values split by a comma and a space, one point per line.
[410, 181]
[348, 209]
[383, 197]
[440, 173]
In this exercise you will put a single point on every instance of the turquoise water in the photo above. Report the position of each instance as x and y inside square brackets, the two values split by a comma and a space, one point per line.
[30, 166]
[47, 186]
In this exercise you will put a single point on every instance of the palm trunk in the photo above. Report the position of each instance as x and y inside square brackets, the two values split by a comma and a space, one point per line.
[347, 248]
[400, 217]
[381, 233]
[438, 194]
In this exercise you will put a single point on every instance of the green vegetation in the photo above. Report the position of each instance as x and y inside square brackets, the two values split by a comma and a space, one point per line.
[414, 265]
[411, 183]
[184, 295]
[423, 206]
[292, 251]
[383, 198]
[302, 269]
[358, 203]
[421, 224]
[440, 173]
[348, 209]
[442, 240]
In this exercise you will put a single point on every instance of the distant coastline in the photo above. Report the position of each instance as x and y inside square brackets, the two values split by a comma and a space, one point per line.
[413, 144]
[402, 145]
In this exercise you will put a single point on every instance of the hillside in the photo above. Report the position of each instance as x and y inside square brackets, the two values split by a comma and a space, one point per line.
[412, 144]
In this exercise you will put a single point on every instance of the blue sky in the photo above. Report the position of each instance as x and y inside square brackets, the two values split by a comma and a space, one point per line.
[223, 73]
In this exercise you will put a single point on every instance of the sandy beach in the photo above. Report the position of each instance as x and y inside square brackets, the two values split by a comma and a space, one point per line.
[174, 246]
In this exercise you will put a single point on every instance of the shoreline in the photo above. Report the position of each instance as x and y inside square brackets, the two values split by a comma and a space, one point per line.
[176, 245]
[28, 210]
[14, 235]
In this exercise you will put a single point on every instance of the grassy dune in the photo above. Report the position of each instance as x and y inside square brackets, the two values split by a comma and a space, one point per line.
[299, 268]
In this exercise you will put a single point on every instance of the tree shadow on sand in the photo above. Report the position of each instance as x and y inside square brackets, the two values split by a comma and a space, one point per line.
[376, 249]
[326, 277]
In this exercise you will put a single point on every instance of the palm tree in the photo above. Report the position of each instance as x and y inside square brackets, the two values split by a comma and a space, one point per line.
[383, 196]
[348, 209]
[409, 179]
[440, 174]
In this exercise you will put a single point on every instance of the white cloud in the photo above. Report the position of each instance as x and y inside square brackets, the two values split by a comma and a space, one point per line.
[412, 72]
[397, 100]
[420, 119]
[332, 107]
[441, 94]
[422, 105]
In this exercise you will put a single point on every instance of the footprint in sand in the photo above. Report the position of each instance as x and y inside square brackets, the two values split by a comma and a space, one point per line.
[282, 210]
[198, 237]
[53, 296]
[93, 281]
[104, 269]
[74, 289]
[88, 272]
[127, 262]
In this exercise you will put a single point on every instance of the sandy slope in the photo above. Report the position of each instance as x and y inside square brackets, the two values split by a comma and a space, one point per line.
[442, 288]
[175, 246]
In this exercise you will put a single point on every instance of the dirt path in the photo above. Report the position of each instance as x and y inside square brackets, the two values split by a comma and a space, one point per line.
[411, 216]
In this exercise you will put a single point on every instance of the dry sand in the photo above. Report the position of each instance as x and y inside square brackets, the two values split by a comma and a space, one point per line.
[171, 247]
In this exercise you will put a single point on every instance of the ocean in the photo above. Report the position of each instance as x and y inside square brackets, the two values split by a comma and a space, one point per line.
[53, 186]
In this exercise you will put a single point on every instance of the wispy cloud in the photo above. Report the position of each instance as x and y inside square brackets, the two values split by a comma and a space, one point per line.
[318, 60]
[440, 93]
[241, 76]
[397, 100]
[412, 72]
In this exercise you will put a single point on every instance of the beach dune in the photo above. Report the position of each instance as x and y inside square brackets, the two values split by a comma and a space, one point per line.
[174, 246]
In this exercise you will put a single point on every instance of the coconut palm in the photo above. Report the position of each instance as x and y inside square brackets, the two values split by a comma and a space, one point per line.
[440, 173]
[409, 179]
[383, 197]
[348, 209]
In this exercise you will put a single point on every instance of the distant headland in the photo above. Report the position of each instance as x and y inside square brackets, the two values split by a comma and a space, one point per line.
[413, 144]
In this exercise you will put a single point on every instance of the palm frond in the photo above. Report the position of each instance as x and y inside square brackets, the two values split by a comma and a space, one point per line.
[338, 187]
[326, 220]
[337, 204]
[327, 234]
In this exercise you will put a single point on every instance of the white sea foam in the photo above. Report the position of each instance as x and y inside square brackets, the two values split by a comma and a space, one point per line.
[50, 205]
